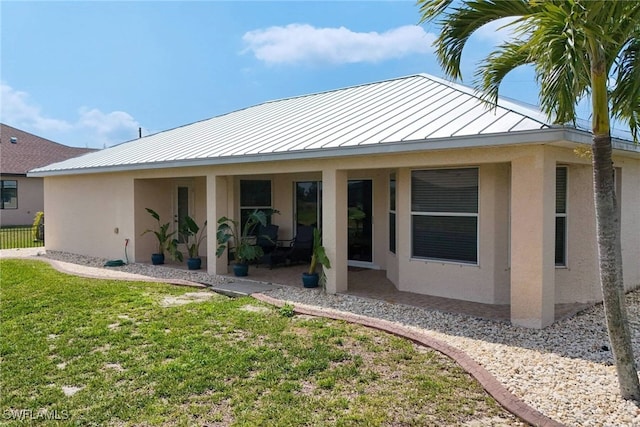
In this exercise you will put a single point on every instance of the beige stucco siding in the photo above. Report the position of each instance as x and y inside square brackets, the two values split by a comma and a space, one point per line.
[630, 221]
[577, 281]
[90, 214]
[488, 281]
[30, 201]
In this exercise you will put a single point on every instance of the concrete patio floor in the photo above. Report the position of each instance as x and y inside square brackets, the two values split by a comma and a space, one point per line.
[374, 284]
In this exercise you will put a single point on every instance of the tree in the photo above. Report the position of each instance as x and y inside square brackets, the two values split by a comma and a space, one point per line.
[578, 48]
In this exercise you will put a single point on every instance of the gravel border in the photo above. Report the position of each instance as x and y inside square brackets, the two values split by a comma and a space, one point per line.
[564, 371]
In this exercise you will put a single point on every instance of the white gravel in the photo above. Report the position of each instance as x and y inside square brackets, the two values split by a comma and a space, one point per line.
[564, 371]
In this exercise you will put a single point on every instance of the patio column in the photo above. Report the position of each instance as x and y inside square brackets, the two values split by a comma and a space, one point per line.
[217, 206]
[533, 239]
[334, 227]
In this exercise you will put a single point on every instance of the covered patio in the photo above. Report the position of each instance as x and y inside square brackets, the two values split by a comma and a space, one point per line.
[372, 283]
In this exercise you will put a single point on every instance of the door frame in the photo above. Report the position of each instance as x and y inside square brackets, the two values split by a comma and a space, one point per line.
[365, 264]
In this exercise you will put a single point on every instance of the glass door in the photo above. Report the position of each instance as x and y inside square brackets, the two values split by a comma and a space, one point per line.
[308, 203]
[183, 206]
[360, 223]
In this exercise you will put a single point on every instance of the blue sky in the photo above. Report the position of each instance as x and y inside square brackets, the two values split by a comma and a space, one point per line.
[89, 74]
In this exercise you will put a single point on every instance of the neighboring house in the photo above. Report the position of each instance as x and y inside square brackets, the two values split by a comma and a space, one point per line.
[22, 196]
[414, 176]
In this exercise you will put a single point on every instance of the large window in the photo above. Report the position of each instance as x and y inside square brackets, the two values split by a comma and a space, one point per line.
[444, 212]
[254, 194]
[392, 213]
[9, 194]
[561, 216]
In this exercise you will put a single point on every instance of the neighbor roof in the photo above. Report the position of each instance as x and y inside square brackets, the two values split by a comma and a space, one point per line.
[22, 151]
[403, 110]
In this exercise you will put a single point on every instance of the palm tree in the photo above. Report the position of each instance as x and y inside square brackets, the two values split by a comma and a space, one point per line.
[578, 48]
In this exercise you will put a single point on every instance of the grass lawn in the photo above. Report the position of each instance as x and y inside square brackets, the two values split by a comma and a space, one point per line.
[98, 352]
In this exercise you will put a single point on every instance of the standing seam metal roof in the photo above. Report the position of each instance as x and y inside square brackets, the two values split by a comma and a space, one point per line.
[412, 108]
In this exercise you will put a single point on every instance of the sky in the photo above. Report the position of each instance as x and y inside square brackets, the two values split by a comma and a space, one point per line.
[91, 73]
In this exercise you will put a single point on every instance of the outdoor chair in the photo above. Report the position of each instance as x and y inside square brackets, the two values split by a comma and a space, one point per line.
[296, 250]
[267, 239]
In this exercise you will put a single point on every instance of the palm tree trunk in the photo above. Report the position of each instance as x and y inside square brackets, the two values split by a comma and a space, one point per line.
[610, 256]
[608, 231]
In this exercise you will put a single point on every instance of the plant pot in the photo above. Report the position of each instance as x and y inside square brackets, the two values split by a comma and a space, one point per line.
[194, 263]
[157, 259]
[241, 270]
[310, 280]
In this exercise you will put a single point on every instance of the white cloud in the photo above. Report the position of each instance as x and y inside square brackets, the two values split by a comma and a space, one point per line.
[302, 43]
[108, 128]
[496, 32]
[17, 109]
[93, 128]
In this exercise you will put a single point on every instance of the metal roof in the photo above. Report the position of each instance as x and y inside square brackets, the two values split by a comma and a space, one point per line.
[399, 111]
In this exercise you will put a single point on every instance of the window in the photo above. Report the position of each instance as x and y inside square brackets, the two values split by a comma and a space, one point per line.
[561, 216]
[392, 213]
[9, 191]
[254, 194]
[444, 213]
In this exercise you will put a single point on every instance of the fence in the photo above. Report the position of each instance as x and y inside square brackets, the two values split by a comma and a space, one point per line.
[21, 237]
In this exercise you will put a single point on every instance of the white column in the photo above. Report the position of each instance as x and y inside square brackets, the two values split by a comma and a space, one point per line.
[217, 206]
[533, 239]
[334, 227]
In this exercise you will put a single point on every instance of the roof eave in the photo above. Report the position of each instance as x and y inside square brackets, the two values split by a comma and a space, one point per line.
[539, 136]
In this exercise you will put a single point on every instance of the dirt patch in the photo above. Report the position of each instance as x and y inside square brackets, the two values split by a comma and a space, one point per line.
[114, 366]
[70, 390]
[188, 298]
[255, 308]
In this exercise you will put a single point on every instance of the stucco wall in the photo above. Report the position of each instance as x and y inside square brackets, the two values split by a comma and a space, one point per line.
[630, 220]
[89, 214]
[485, 282]
[577, 281]
[30, 201]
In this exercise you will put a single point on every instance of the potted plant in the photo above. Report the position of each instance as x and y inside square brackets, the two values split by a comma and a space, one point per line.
[244, 249]
[164, 238]
[318, 256]
[194, 236]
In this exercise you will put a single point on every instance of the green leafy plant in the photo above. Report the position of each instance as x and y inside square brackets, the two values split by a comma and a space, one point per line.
[318, 254]
[194, 236]
[38, 226]
[239, 241]
[287, 310]
[165, 241]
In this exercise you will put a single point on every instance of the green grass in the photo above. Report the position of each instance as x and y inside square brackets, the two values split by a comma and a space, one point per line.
[18, 237]
[218, 362]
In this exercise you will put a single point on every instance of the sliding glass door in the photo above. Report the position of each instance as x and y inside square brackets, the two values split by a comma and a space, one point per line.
[360, 224]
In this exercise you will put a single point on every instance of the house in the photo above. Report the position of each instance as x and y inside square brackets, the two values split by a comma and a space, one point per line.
[414, 176]
[20, 152]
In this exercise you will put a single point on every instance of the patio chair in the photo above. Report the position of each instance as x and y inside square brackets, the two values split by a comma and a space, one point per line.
[267, 239]
[296, 250]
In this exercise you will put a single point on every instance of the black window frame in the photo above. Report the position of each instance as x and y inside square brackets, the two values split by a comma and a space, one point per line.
[392, 213]
[7, 190]
[251, 201]
[561, 217]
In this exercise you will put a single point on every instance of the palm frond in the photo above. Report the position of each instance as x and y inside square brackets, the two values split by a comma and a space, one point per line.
[459, 23]
[493, 69]
[625, 95]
